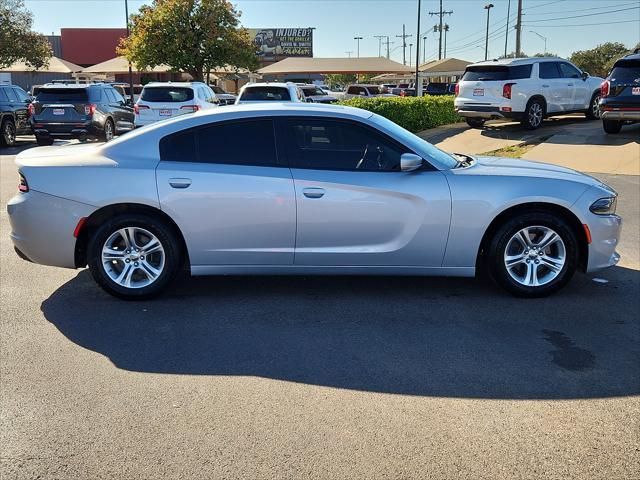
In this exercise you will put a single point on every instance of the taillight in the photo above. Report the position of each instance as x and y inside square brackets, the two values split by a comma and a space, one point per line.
[32, 109]
[457, 90]
[506, 90]
[403, 93]
[605, 87]
[137, 108]
[90, 109]
[192, 108]
[23, 186]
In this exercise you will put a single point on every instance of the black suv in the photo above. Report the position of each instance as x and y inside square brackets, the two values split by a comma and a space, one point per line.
[14, 114]
[620, 94]
[79, 111]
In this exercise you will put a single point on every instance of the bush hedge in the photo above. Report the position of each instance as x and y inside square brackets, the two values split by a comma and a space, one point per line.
[414, 114]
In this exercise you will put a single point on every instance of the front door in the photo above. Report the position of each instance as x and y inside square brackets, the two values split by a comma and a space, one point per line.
[355, 206]
[224, 187]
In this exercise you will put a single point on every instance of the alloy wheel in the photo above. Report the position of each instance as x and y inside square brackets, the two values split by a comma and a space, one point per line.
[595, 107]
[535, 114]
[108, 131]
[133, 257]
[535, 256]
[9, 133]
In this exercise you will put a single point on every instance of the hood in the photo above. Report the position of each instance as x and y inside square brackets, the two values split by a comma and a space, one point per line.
[515, 167]
[77, 155]
[226, 96]
[322, 98]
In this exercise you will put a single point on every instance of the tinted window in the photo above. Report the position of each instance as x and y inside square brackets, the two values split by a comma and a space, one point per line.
[217, 89]
[569, 71]
[166, 94]
[3, 95]
[626, 70]
[21, 94]
[11, 94]
[276, 94]
[496, 72]
[356, 91]
[116, 95]
[110, 97]
[310, 91]
[249, 142]
[375, 90]
[549, 70]
[62, 95]
[335, 145]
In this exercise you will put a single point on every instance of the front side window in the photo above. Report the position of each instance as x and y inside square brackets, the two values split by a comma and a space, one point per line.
[117, 96]
[11, 94]
[264, 94]
[569, 71]
[247, 142]
[339, 145]
[549, 70]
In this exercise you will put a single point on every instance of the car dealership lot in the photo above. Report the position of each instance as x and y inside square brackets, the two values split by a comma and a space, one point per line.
[320, 377]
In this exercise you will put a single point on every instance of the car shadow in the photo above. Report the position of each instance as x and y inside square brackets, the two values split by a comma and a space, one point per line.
[415, 336]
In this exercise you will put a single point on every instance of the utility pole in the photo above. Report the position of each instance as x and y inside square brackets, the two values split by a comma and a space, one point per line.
[126, 13]
[488, 8]
[446, 29]
[506, 35]
[349, 52]
[440, 14]
[357, 39]
[519, 29]
[410, 48]
[404, 37]
[418, 82]
[379, 37]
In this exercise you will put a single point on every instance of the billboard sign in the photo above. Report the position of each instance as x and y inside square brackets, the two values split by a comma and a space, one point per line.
[274, 44]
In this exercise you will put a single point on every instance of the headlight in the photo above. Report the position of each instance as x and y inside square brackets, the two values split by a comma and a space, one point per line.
[604, 206]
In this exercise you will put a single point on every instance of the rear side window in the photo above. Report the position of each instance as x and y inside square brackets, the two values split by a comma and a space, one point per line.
[166, 94]
[486, 73]
[70, 95]
[3, 95]
[11, 94]
[626, 70]
[276, 94]
[249, 142]
[549, 70]
[22, 95]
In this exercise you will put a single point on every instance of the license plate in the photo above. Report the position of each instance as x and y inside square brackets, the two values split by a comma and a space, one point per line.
[165, 113]
[58, 111]
[635, 91]
[478, 92]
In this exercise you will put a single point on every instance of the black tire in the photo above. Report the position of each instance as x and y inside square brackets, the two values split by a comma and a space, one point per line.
[593, 112]
[612, 126]
[475, 122]
[8, 133]
[173, 257]
[108, 132]
[534, 114]
[44, 141]
[501, 240]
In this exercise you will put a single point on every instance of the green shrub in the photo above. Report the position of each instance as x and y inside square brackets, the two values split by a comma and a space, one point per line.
[414, 114]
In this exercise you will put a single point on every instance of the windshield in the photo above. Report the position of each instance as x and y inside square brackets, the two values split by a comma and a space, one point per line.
[421, 147]
[62, 95]
[217, 89]
[166, 94]
[626, 70]
[276, 94]
[496, 72]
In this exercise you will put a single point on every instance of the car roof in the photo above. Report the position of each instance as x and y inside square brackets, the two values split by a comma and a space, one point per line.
[631, 56]
[515, 61]
[270, 84]
[74, 85]
[175, 84]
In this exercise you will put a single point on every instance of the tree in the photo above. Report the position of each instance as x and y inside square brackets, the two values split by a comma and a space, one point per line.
[192, 36]
[598, 61]
[17, 41]
[347, 78]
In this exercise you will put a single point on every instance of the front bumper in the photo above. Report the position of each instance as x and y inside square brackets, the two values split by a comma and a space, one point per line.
[42, 227]
[605, 235]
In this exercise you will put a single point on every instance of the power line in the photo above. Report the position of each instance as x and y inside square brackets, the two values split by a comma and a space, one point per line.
[585, 15]
[584, 9]
[584, 24]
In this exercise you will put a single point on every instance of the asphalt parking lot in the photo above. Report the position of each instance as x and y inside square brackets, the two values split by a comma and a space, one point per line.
[320, 377]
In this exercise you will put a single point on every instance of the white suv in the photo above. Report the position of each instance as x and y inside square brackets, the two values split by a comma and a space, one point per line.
[270, 92]
[162, 100]
[525, 89]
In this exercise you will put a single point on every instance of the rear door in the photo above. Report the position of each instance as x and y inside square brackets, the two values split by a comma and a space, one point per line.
[234, 202]
[122, 111]
[354, 205]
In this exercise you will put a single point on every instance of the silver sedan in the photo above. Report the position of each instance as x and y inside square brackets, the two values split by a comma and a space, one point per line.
[304, 189]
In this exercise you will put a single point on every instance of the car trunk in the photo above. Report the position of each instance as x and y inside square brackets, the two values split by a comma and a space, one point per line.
[62, 105]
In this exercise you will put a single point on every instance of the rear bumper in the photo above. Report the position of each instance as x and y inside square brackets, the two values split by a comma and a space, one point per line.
[66, 130]
[489, 113]
[622, 115]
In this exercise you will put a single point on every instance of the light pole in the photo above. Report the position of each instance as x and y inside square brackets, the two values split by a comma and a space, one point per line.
[357, 39]
[488, 8]
[543, 38]
[418, 82]
[126, 13]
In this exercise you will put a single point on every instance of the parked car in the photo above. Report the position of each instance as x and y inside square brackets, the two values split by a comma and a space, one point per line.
[270, 92]
[14, 114]
[163, 100]
[222, 97]
[123, 89]
[437, 88]
[525, 89]
[304, 189]
[314, 94]
[83, 111]
[620, 102]
[366, 91]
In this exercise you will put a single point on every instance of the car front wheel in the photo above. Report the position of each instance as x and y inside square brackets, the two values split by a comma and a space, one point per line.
[593, 112]
[533, 255]
[134, 256]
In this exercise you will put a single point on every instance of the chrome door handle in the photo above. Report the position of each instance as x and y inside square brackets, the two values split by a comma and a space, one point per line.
[313, 192]
[545, 86]
[179, 182]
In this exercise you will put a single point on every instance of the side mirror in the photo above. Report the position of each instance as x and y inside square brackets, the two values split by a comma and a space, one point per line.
[410, 162]
[309, 100]
[585, 75]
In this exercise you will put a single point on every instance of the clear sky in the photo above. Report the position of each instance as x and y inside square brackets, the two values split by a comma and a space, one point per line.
[568, 25]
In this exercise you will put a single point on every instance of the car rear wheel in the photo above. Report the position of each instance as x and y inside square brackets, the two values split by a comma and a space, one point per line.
[611, 126]
[533, 115]
[593, 112]
[533, 255]
[475, 122]
[8, 133]
[134, 256]
[109, 131]
[43, 142]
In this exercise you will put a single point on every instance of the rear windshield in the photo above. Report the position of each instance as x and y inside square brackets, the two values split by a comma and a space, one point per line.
[71, 95]
[486, 73]
[626, 70]
[166, 94]
[276, 94]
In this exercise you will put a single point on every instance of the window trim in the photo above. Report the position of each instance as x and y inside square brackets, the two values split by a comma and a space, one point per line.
[279, 162]
[280, 124]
